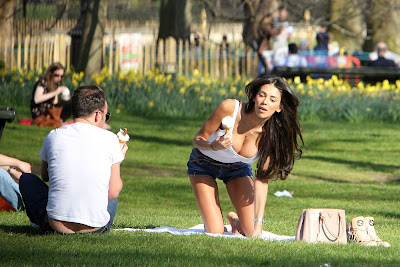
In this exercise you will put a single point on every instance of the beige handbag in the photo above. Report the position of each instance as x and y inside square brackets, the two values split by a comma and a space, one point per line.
[322, 225]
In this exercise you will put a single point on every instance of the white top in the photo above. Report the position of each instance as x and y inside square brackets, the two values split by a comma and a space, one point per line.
[228, 155]
[79, 158]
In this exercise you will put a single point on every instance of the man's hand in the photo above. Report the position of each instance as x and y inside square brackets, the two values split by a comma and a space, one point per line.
[124, 149]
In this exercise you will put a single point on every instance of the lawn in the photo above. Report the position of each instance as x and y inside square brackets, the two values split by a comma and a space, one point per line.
[352, 166]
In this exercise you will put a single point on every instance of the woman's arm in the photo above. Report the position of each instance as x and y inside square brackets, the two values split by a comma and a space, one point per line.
[224, 109]
[260, 199]
[40, 96]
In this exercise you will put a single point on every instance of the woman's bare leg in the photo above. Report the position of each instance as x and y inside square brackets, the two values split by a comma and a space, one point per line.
[241, 192]
[205, 190]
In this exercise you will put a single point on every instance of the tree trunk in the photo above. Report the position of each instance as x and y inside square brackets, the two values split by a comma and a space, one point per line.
[175, 19]
[6, 18]
[348, 26]
[90, 54]
[254, 12]
[383, 22]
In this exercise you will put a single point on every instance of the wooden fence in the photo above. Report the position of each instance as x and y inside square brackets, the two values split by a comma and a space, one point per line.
[169, 56]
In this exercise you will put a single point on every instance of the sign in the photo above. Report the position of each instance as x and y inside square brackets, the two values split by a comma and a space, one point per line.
[130, 51]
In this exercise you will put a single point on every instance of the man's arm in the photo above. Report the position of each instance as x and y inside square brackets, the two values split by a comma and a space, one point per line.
[44, 171]
[115, 184]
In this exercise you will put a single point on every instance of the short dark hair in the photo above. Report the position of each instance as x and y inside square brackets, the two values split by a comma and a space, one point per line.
[292, 48]
[87, 99]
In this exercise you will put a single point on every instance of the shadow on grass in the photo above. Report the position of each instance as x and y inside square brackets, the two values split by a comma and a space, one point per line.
[158, 140]
[354, 164]
[20, 229]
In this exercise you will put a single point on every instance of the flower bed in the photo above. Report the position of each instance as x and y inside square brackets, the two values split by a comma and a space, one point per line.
[158, 94]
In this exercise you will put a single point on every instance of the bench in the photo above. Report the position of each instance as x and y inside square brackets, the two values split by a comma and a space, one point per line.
[7, 114]
[353, 75]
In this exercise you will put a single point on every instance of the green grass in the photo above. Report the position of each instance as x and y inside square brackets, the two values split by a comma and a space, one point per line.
[345, 165]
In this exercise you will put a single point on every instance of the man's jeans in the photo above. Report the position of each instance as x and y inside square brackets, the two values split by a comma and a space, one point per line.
[9, 190]
[35, 195]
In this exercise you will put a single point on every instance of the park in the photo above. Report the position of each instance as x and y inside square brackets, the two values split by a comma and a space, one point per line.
[350, 162]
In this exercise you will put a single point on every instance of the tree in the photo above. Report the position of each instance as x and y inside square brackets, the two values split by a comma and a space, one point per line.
[382, 21]
[175, 19]
[254, 11]
[94, 14]
[6, 17]
[347, 23]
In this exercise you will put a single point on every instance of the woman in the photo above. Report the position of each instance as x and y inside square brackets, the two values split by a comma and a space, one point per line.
[45, 96]
[265, 128]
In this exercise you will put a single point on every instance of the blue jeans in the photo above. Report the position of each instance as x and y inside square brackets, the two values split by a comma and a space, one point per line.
[35, 195]
[202, 165]
[9, 191]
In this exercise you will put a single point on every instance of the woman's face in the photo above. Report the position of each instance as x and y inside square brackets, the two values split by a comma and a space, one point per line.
[267, 101]
[57, 76]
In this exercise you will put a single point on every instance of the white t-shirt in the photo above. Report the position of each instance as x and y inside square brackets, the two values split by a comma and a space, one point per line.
[79, 158]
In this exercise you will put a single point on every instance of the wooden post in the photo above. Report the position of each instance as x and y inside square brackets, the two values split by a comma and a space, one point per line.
[56, 51]
[216, 61]
[243, 59]
[26, 51]
[68, 48]
[237, 60]
[187, 58]
[206, 59]
[110, 54]
[147, 58]
[222, 52]
[153, 59]
[180, 48]
[160, 56]
[248, 61]
[62, 49]
[12, 60]
[104, 50]
[199, 56]
[212, 66]
[19, 52]
[32, 53]
[117, 55]
[193, 58]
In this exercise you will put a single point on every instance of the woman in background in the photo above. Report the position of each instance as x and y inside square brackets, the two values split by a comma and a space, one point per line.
[48, 93]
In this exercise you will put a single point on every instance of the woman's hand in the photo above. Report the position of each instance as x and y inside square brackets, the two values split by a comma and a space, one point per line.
[222, 142]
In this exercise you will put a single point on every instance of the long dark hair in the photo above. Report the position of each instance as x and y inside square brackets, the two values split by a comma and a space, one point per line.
[278, 139]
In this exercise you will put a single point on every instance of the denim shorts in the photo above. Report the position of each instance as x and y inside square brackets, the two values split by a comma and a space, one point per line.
[202, 165]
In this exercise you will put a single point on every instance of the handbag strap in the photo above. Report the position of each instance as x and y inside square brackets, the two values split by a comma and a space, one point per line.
[336, 237]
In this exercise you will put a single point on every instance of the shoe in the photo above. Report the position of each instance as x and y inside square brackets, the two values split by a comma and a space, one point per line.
[369, 223]
[357, 232]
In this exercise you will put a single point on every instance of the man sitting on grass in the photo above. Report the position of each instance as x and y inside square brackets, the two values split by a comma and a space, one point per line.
[81, 162]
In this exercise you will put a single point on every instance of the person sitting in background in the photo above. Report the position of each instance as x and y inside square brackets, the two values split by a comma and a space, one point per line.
[381, 60]
[48, 107]
[81, 162]
[293, 59]
[11, 170]
[388, 54]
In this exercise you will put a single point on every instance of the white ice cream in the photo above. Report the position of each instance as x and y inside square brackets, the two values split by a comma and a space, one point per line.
[227, 123]
[123, 136]
[66, 94]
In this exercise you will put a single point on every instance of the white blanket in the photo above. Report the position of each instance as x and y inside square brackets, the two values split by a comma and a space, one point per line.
[199, 229]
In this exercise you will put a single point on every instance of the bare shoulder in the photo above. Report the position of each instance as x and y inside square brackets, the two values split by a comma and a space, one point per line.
[227, 106]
